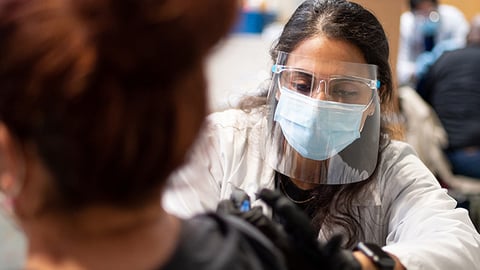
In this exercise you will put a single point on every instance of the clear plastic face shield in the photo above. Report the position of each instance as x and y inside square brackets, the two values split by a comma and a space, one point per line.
[324, 120]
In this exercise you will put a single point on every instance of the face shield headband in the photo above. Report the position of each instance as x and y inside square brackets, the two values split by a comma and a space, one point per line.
[323, 119]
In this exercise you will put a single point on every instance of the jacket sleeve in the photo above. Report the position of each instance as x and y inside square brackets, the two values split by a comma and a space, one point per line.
[195, 187]
[426, 230]
[215, 164]
[459, 26]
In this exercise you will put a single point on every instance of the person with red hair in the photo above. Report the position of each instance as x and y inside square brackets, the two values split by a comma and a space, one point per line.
[99, 102]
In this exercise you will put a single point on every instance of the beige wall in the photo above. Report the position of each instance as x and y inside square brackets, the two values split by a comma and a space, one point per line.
[389, 11]
[468, 7]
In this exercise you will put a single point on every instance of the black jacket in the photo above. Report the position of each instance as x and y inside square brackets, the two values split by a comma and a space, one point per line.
[452, 87]
[214, 242]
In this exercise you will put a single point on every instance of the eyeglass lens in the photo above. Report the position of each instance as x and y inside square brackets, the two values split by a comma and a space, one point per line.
[338, 89]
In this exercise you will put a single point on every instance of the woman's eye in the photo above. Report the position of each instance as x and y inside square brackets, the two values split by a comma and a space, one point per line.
[344, 92]
[302, 87]
[350, 92]
[301, 82]
[344, 89]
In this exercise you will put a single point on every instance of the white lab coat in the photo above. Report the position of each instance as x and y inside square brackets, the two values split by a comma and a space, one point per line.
[453, 29]
[405, 210]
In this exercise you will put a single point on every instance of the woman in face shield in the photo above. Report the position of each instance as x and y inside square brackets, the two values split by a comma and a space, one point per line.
[320, 136]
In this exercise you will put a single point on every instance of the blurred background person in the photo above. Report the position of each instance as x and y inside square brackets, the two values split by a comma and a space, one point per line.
[452, 88]
[426, 31]
[99, 101]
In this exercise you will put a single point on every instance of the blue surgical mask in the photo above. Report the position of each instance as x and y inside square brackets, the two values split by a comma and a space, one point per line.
[317, 129]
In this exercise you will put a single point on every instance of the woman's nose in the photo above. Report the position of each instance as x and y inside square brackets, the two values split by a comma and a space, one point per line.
[319, 90]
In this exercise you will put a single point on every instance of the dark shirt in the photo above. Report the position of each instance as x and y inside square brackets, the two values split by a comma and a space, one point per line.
[213, 242]
[301, 198]
[452, 87]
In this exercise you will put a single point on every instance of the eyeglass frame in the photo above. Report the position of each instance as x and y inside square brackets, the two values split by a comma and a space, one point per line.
[372, 84]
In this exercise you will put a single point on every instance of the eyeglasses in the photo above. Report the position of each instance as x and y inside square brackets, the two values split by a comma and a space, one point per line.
[338, 88]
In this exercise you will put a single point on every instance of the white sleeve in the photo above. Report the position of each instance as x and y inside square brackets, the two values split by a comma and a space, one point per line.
[426, 231]
[458, 25]
[195, 188]
[217, 162]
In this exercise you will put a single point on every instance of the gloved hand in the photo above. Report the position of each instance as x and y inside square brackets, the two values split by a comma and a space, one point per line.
[294, 236]
[426, 59]
[444, 46]
[339, 258]
[303, 239]
[423, 63]
[239, 205]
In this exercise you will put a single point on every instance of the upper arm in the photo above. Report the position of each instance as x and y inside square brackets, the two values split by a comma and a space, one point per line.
[217, 160]
[195, 186]
[426, 229]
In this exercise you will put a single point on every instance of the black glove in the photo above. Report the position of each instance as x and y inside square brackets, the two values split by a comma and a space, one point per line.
[339, 258]
[253, 215]
[239, 205]
[294, 235]
[303, 243]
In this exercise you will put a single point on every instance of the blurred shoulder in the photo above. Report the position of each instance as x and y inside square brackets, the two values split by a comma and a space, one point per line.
[400, 163]
[450, 11]
[214, 242]
[396, 150]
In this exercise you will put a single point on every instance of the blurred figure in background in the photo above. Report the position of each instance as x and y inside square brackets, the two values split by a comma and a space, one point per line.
[99, 101]
[452, 87]
[426, 31]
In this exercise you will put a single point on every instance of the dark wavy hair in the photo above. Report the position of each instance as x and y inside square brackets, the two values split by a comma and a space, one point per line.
[348, 21]
[94, 86]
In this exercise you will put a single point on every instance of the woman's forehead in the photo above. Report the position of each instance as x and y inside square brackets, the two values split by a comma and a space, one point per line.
[328, 56]
[325, 48]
